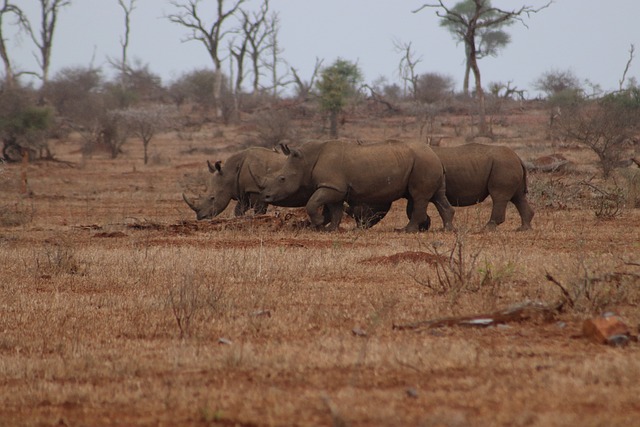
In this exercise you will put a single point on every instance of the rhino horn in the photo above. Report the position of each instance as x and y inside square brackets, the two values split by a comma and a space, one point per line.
[215, 167]
[189, 202]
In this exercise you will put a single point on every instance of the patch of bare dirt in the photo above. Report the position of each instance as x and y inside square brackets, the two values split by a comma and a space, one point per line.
[294, 220]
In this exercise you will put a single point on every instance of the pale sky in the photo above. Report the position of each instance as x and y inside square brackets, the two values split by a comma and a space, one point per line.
[589, 37]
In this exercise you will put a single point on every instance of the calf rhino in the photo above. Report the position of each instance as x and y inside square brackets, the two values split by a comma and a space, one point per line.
[374, 175]
[475, 171]
[239, 180]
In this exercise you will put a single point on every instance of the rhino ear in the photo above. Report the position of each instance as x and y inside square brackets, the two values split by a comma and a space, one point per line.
[285, 149]
[215, 167]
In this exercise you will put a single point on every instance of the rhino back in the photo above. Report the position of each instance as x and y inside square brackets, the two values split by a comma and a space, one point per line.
[373, 172]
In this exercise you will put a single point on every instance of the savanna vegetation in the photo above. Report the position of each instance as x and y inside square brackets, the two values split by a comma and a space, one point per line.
[119, 308]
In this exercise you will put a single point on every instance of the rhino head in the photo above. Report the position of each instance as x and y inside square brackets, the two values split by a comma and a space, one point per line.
[219, 194]
[288, 180]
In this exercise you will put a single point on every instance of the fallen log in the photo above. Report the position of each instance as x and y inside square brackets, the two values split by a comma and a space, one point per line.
[517, 313]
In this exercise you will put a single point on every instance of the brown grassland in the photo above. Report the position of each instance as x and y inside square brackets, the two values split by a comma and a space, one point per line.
[118, 308]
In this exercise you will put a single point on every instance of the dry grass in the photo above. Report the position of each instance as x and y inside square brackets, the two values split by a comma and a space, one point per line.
[119, 309]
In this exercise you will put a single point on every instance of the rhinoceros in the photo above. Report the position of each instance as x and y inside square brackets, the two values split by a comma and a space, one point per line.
[236, 181]
[374, 175]
[476, 171]
[239, 180]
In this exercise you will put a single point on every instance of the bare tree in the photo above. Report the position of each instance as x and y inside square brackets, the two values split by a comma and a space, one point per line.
[210, 35]
[144, 123]
[21, 21]
[469, 23]
[238, 53]
[256, 30]
[632, 50]
[304, 88]
[273, 47]
[49, 10]
[407, 66]
[123, 64]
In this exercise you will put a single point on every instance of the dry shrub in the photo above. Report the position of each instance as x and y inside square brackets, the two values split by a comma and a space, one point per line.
[555, 191]
[461, 270]
[629, 181]
[607, 199]
[592, 286]
[18, 213]
[57, 257]
[274, 127]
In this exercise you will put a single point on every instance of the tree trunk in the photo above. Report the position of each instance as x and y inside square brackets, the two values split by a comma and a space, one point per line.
[483, 129]
[467, 71]
[333, 124]
[217, 90]
[146, 150]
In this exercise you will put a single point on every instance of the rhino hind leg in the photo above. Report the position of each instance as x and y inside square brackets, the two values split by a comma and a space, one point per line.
[417, 214]
[525, 211]
[445, 210]
[498, 213]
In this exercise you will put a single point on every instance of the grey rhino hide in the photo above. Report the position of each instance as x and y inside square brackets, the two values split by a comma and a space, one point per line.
[239, 178]
[475, 171]
[373, 174]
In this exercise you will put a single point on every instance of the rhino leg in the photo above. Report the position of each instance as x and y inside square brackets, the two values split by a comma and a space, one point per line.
[241, 207]
[498, 213]
[525, 211]
[417, 214]
[258, 206]
[326, 214]
[334, 201]
[444, 208]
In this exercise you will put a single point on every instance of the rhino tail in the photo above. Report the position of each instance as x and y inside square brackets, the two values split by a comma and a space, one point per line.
[524, 176]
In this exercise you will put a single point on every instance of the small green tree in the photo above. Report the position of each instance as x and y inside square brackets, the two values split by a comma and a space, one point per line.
[23, 126]
[337, 85]
[479, 26]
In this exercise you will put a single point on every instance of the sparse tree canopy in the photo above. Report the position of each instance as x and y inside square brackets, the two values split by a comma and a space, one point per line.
[434, 87]
[189, 15]
[490, 39]
[557, 81]
[144, 123]
[338, 83]
[477, 23]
